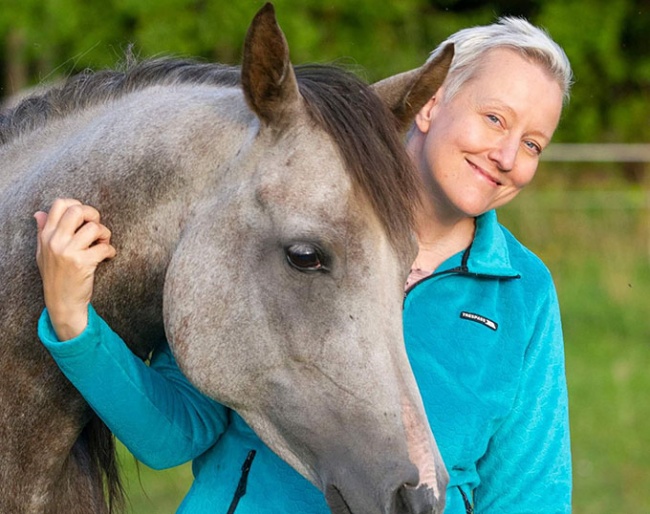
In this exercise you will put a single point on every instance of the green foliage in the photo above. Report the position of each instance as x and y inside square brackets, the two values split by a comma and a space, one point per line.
[150, 491]
[606, 41]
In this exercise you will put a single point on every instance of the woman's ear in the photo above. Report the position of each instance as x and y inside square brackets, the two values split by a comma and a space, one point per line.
[425, 115]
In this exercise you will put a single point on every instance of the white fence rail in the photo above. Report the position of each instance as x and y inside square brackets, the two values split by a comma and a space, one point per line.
[605, 152]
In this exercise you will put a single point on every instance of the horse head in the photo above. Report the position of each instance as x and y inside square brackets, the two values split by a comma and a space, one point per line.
[302, 256]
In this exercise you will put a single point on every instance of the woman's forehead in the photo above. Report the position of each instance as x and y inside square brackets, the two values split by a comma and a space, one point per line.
[521, 85]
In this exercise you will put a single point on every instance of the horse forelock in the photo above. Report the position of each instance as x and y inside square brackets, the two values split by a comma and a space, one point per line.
[364, 131]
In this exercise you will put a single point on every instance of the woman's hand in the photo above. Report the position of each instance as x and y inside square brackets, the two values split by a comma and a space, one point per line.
[71, 243]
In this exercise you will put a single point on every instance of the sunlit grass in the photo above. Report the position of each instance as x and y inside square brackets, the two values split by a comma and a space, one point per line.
[598, 248]
[150, 491]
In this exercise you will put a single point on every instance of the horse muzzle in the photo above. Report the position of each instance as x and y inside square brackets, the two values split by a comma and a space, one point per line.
[405, 499]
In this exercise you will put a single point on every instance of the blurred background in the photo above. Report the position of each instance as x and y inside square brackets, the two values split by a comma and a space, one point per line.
[587, 215]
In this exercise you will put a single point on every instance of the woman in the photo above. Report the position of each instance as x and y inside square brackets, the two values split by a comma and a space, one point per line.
[481, 317]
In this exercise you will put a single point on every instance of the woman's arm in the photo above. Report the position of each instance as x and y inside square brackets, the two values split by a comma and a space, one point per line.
[154, 410]
[527, 467]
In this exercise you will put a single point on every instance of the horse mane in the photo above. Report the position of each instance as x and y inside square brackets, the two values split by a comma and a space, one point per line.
[90, 88]
[338, 101]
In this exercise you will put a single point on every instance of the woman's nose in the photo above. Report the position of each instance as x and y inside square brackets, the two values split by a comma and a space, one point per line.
[504, 153]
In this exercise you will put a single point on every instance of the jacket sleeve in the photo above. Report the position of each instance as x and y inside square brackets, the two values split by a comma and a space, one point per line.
[154, 410]
[527, 466]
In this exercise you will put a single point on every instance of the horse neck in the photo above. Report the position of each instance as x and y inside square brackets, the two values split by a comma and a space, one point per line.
[145, 162]
[145, 173]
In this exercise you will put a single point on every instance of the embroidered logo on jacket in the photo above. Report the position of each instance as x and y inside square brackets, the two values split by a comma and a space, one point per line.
[479, 319]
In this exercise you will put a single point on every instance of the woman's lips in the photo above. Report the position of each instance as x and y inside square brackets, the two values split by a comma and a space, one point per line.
[484, 174]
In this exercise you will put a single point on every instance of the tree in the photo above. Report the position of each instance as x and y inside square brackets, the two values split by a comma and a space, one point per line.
[606, 41]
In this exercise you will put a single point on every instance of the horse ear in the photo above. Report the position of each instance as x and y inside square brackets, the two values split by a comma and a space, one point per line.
[407, 92]
[267, 76]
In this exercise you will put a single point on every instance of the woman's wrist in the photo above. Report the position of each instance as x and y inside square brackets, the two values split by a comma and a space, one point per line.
[68, 323]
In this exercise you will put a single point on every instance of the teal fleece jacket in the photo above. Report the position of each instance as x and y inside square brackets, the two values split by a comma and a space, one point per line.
[484, 338]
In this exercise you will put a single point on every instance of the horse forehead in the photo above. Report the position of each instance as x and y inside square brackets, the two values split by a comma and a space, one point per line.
[305, 173]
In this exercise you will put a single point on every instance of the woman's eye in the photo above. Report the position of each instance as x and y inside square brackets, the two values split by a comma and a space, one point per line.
[534, 147]
[494, 119]
[306, 258]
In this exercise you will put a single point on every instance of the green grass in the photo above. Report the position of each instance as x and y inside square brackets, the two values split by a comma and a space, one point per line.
[150, 491]
[596, 241]
[597, 246]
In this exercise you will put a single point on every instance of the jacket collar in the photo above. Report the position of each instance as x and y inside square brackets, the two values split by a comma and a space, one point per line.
[488, 254]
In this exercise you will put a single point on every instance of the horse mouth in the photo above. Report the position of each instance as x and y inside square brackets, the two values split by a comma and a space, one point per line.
[407, 500]
[335, 501]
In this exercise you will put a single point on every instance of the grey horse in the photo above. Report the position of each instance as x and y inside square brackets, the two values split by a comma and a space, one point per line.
[263, 219]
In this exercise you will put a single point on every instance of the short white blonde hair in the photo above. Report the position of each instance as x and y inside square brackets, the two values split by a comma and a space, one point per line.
[532, 42]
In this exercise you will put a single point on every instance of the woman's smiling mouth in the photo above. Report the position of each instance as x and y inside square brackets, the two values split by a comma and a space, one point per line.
[484, 174]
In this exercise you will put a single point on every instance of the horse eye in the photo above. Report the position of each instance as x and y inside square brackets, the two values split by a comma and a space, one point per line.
[305, 257]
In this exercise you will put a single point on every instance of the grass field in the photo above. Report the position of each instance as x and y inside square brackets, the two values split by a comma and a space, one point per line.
[598, 247]
[594, 234]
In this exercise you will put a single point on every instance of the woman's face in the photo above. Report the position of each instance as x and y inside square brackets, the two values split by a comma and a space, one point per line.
[482, 146]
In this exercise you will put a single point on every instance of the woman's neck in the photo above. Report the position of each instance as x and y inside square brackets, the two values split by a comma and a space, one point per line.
[439, 239]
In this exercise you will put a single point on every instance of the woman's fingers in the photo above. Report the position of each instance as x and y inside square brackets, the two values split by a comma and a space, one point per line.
[101, 252]
[74, 217]
[71, 243]
[95, 240]
[67, 234]
[70, 225]
[58, 209]
[89, 235]
[41, 218]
